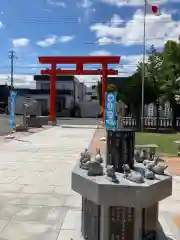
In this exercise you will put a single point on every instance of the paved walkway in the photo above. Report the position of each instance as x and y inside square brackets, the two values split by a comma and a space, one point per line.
[36, 200]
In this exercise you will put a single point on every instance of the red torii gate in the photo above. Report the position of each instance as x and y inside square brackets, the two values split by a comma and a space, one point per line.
[79, 61]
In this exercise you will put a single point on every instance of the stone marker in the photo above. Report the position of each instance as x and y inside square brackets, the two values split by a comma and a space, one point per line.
[120, 148]
[32, 112]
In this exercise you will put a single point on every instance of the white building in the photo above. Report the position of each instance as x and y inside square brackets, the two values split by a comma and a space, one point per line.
[69, 93]
[91, 93]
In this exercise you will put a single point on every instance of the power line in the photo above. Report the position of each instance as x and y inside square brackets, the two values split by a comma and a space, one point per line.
[54, 20]
[12, 56]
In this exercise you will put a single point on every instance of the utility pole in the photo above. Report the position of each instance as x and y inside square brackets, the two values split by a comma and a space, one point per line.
[12, 56]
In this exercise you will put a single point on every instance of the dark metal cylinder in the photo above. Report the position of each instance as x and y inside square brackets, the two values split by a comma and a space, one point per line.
[120, 148]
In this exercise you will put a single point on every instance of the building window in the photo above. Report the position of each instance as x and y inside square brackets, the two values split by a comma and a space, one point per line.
[93, 97]
[45, 86]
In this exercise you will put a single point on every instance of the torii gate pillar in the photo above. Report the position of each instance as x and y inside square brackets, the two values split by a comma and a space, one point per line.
[52, 112]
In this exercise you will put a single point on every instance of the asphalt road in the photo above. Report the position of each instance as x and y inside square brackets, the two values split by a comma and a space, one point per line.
[5, 128]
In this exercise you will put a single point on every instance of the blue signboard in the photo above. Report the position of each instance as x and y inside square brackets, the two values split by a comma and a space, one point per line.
[110, 111]
[12, 108]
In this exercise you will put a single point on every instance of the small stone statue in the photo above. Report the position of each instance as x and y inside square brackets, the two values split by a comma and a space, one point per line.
[148, 174]
[98, 157]
[131, 175]
[85, 158]
[149, 163]
[144, 155]
[126, 168]
[137, 157]
[158, 168]
[151, 156]
[110, 171]
[94, 166]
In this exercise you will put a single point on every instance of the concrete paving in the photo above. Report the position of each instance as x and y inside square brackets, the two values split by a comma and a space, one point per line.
[5, 128]
[36, 200]
[168, 209]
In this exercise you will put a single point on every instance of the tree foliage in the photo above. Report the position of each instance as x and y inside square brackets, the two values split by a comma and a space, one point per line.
[162, 70]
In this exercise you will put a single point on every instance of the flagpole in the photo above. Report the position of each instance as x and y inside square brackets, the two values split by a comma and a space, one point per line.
[143, 68]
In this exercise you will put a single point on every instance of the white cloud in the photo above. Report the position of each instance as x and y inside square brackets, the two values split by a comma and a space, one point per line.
[89, 80]
[87, 7]
[47, 42]
[116, 21]
[20, 80]
[100, 53]
[159, 29]
[53, 39]
[57, 3]
[132, 3]
[1, 25]
[20, 42]
[105, 30]
[64, 39]
[84, 4]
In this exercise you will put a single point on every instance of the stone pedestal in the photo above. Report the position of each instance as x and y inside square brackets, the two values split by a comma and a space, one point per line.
[120, 148]
[150, 222]
[33, 121]
[123, 211]
[21, 128]
[117, 222]
[36, 121]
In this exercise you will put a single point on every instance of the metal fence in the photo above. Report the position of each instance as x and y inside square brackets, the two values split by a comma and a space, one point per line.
[130, 122]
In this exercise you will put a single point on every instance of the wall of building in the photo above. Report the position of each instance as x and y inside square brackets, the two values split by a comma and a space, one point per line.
[68, 85]
[44, 99]
[79, 88]
[89, 109]
[91, 94]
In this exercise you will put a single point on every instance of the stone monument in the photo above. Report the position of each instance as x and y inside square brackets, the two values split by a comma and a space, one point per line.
[121, 202]
[121, 110]
[33, 116]
[120, 148]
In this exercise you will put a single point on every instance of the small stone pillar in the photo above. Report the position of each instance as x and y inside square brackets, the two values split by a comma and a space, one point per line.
[120, 109]
[120, 148]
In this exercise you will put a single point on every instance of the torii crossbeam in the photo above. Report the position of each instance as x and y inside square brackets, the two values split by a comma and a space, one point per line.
[79, 61]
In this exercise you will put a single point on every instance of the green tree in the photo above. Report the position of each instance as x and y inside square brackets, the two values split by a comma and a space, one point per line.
[171, 72]
[110, 88]
[153, 70]
[131, 93]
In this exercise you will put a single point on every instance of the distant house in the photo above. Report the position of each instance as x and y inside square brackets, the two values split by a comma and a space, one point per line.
[4, 94]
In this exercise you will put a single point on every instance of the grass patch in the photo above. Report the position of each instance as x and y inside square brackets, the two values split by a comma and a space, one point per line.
[164, 141]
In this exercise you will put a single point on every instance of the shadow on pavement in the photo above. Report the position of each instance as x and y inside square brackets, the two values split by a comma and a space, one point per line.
[162, 235]
[79, 127]
[21, 140]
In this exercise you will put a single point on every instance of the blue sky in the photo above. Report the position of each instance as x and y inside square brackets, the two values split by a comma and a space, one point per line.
[84, 27]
